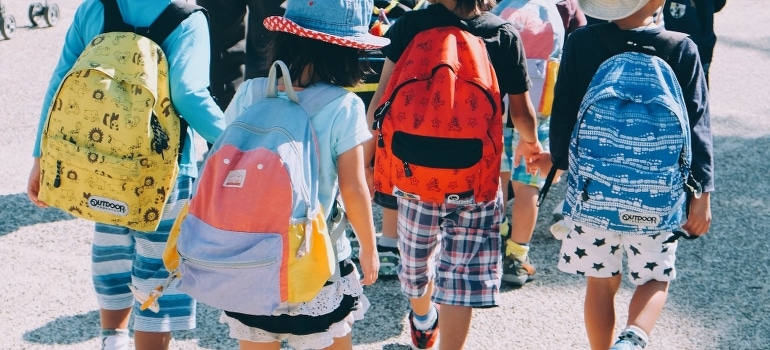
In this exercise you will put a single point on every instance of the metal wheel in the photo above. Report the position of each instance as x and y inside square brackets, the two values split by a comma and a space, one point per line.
[51, 14]
[35, 12]
[7, 26]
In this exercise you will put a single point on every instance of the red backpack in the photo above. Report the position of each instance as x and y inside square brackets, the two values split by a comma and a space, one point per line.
[440, 122]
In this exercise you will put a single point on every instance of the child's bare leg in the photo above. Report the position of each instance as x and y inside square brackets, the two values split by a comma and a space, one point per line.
[647, 304]
[247, 345]
[454, 322]
[505, 180]
[114, 319]
[115, 328]
[524, 212]
[151, 340]
[599, 310]
[422, 306]
[390, 223]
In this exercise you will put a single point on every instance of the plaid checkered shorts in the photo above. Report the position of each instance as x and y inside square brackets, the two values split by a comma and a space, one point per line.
[457, 246]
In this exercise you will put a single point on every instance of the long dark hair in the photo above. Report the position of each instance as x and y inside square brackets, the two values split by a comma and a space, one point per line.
[334, 64]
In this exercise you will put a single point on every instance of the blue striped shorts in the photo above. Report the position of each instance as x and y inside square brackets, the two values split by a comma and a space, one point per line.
[457, 246]
[121, 256]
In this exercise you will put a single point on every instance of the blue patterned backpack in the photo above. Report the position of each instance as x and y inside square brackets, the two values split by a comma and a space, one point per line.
[630, 150]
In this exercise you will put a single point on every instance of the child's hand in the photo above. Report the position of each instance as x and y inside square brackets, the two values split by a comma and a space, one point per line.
[526, 150]
[540, 162]
[370, 265]
[699, 216]
[33, 184]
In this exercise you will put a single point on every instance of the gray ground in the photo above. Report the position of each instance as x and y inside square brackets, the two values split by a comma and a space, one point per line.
[720, 300]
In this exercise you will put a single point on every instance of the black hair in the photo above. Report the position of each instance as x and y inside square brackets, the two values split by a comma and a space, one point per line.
[338, 65]
[470, 5]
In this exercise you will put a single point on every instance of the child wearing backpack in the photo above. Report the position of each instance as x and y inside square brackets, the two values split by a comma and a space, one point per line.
[122, 256]
[322, 43]
[450, 246]
[603, 220]
[542, 34]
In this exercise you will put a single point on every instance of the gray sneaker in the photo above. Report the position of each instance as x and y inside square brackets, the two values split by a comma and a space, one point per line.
[517, 272]
[354, 245]
[557, 214]
[389, 261]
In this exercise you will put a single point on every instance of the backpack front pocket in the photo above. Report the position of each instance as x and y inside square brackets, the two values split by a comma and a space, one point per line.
[102, 187]
[435, 152]
[244, 279]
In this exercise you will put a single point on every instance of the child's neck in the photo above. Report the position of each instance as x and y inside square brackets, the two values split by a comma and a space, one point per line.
[632, 23]
[641, 18]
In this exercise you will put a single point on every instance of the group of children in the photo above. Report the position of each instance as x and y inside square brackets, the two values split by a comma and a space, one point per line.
[324, 41]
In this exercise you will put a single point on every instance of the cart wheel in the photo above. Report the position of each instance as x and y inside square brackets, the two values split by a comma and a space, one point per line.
[51, 14]
[35, 11]
[7, 26]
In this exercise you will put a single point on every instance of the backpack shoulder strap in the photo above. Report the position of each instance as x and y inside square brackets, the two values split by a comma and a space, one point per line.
[176, 12]
[113, 19]
[613, 39]
[313, 98]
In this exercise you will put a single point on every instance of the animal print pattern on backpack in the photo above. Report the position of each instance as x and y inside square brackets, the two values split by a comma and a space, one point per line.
[111, 141]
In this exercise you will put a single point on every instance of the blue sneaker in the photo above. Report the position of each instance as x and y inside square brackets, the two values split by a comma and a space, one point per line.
[629, 340]
[624, 345]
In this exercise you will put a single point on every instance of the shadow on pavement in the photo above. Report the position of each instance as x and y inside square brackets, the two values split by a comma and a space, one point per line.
[66, 330]
[17, 211]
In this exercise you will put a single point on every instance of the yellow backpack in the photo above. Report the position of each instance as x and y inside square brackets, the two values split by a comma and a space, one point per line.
[112, 140]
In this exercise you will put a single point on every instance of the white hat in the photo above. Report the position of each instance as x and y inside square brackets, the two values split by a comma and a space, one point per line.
[611, 10]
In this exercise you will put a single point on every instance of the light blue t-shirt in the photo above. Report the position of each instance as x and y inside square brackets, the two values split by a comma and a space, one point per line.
[339, 126]
[187, 51]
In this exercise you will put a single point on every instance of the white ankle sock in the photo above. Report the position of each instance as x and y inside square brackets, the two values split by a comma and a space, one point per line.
[115, 339]
[425, 322]
[636, 335]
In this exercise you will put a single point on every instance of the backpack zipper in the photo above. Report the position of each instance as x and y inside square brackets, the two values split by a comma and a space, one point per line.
[57, 179]
[584, 194]
[232, 265]
[407, 170]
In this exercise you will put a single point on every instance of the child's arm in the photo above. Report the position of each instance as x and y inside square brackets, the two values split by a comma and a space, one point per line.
[188, 54]
[387, 71]
[699, 216]
[358, 207]
[523, 116]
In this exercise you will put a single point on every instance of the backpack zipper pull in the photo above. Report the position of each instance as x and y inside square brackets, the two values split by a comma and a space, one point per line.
[57, 179]
[693, 186]
[584, 195]
[407, 171]
[380, 141]
[379, 114]
[304, 246]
